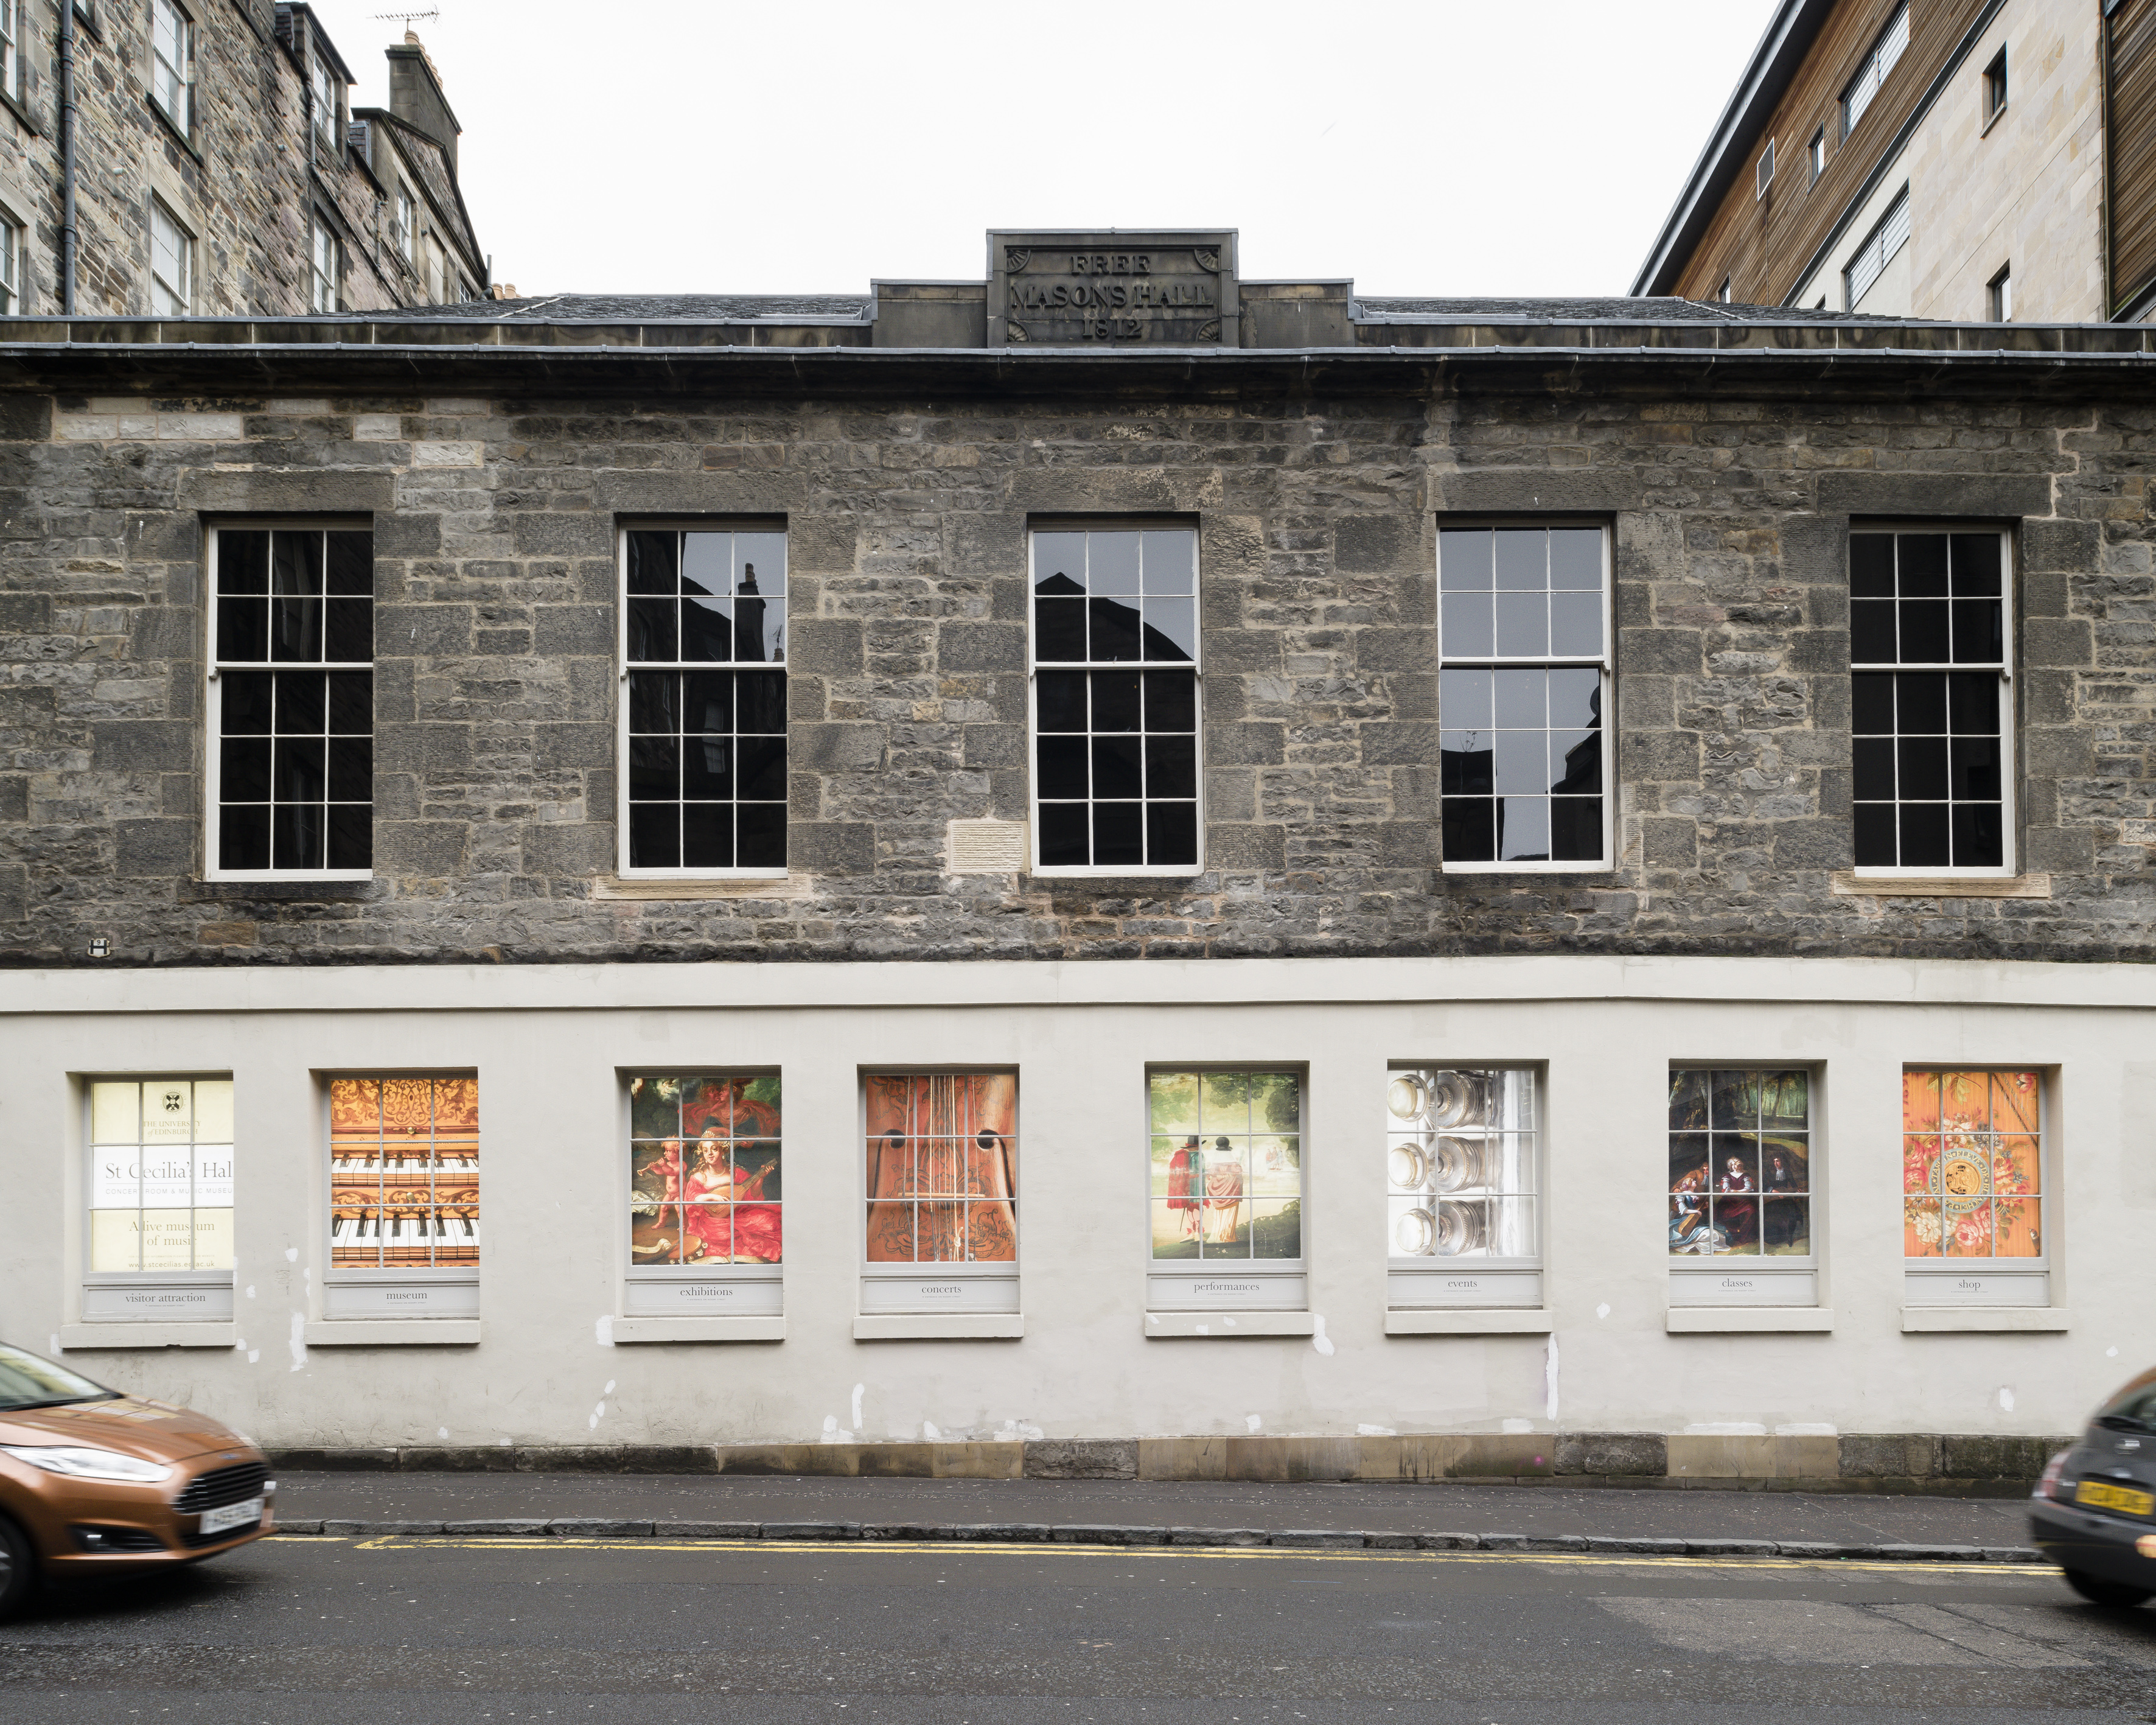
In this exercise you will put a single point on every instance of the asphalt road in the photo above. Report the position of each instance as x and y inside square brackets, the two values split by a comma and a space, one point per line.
[420, 1630]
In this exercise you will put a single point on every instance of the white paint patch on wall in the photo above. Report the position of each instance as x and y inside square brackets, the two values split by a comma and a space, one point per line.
[857, 1389]
[1549, 1380]
[603, 1331]
[1318, 1339]
[1603, 1310]
[1255, 1422]
[1806, 1430]
[253, 1355]
[1375, 1431]
[299, 1341]
[927, 1430]
[2005, 1400]
[1517, 1428]
[291, 1254]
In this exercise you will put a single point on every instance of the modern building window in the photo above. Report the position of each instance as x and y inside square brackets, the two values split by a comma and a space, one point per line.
[11, 48]
[942, 1230]
[1226, 1191]
[1523, 630]
[291, 780]
[171, 263]
[1741, 1184]
[1887, 49]
[1463, 1173]
[1999, 296]
[1994, 89]
[1762, 177]
[1818, 154]
[1974, 1187]
[160, 1199]
[1931, 702]
[706, 1202]
[171, 63]
[703, 785]
[1722, 294]
[11, 267]
[325, 266]
[1116, 700]
[403, 1196]
[1881, 245]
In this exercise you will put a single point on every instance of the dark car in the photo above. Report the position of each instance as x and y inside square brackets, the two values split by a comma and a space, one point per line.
[2094, 1512]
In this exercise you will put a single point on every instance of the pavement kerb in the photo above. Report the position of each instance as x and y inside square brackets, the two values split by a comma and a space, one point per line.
[1108, 1533]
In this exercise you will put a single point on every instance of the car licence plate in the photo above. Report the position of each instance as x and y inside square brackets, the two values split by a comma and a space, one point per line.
[232, 1515]
[2098, 1495]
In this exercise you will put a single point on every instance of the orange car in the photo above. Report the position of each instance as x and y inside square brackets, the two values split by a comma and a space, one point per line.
[92, 1480]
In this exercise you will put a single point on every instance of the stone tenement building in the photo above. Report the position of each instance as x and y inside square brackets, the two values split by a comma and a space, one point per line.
[1140, 871]
[202, 158]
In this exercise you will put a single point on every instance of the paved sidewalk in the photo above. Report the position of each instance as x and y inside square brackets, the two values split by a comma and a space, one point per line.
[1537, 1513]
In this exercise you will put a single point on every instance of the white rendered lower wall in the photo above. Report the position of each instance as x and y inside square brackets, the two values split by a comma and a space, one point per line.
[552, 1361]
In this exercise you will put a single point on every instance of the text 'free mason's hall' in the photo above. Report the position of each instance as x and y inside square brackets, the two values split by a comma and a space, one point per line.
[1104, 853]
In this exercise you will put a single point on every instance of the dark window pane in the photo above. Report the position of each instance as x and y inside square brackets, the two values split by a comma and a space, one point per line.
[1924, 632]
[1923, 565]
[1924, 835]
[1575, 829]
[242, 630]
[1465, 700]
[1464, 558]
[1575, 698]
[246, 702]
[352, 703]
[296, 563]
[1115, 701]
[651, 630]
[1171, 765]
[1875, 835]
[243, 565]
[1872, 703]
[758, 623]
[651, 702]
[1978, 631]
[654, 768]
[1874, 762]
[1979, 836]
[298, 771]
[1466, 765]
[243, 836]
[1576, 625]
[1470, 830]
[1062, 767]
[1116, 761]
[1171, 834]
[1522, 559]
[1871, 566]
[1059, 563]
[351, 569]
[1921, 766]
[763, 769]
[244, 773]
[654, 562]
[761, 831]
[1171, 628]
[1920, 703]
[707, 703]
[1523, 762]
[1059, 630]
[1522, 624]
[352, 835]
[296, 630]
[707, 836]
[1872, 632]
[655, 836]
[1118, 835]
[1522, 698]
[707, 769]
[295, 835]
[1575, 759]
[1060, 701]
[760, 703]
[1114, 629]
[1468, 630]
[1973, 771]
[351, 769]
[1976, 564]
[1171, 700]
[300, 698]
[1064, 835]
[1973, 702]
[707, 630]
[1522, 828]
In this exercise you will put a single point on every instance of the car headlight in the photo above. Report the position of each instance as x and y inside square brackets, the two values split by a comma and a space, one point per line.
[81, 1463]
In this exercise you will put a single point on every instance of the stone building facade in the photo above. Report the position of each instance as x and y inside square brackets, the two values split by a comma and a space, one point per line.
[910, 480]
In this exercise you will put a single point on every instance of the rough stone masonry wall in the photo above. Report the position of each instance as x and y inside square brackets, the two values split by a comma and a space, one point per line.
[495, 685]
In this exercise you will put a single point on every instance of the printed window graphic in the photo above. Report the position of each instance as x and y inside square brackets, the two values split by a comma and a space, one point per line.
[942, 1168]
[403, 1173]
[705, 1171]
[1226, 1165]
[1740, 1163]
[161, 1174]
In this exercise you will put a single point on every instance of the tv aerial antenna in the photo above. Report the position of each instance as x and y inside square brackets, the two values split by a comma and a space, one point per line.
[409, 18]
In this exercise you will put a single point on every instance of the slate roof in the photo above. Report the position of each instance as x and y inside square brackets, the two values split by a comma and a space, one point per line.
[1602, 309]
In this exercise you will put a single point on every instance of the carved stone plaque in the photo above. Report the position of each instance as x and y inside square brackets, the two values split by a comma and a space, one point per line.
[1113, 289]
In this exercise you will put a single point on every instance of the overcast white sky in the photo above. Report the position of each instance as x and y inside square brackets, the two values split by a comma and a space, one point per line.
[1451, 147]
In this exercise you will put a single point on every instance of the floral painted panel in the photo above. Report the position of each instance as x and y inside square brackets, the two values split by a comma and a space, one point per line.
[1972, 1164]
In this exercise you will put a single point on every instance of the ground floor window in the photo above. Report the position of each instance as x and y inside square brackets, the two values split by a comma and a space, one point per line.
[1462, 1179]
[160, 1191]
[706, 1230]
[1741, 1173]
[404, 1199]
[1973, 1187]
[1226, 1188]
[941, 1185]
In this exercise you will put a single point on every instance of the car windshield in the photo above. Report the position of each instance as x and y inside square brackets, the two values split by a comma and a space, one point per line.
[2133, 1408]
[27, 1382]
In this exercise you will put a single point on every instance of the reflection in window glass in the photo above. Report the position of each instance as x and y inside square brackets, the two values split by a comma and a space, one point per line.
[1226, 1165]
[403, 1173]
[1740, 1163]
[161, 1174]
[1460, 1163]
[1972, 1164]
[171, 263]
[942, 1168]
[704, 1169]
[171, 62]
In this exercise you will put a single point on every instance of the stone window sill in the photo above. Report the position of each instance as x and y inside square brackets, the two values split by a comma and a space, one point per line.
[661, 889]
[1747, 1320]
[1851, 885]
[938, 1326]
[1467, 1320]
[627, 1331]
[228, 892]
[392, 1332]
[1227, 1326]
[116, 1335]
[1998, 1320]
[21, 109]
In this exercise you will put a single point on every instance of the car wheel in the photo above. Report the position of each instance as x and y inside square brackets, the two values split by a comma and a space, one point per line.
[2099, 1592]
[18, 1569]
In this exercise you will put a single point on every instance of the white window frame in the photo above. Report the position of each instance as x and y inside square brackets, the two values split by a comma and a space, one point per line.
[925, 1286]
[1759, 1279]
[172, 84]
[1605, 662]
[146, 1296]
[1816, 153]
[213, 706]
[407, 221]
[1427, 1281]
[2009, 751]
[325, 267]
[1889, 234]
[1034, 666]
[1886, 51]
[1175, 1285]
[693, 1291]
[393, 1291]
[328, 91]
[11, 236]
[11, 48]
[1952, 1282]
[183, 291]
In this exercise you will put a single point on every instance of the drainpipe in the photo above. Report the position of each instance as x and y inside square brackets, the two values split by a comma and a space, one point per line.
[67, 158]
